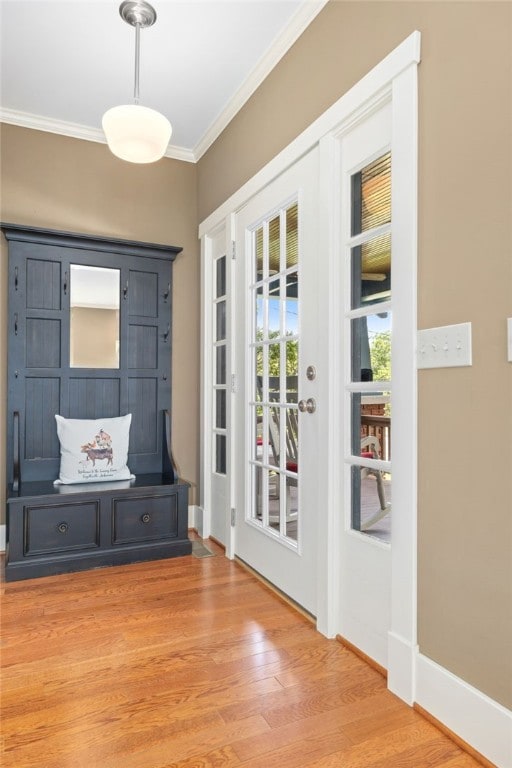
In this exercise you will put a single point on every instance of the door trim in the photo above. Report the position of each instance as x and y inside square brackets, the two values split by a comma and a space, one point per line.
[377, 79]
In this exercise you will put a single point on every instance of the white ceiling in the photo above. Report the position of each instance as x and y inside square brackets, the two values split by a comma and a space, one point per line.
[63, 63]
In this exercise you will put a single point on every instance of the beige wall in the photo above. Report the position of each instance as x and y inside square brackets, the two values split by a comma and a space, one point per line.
[62, 183]
[465, 274]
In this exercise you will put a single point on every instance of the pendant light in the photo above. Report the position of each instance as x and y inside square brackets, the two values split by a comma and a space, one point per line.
[134, 133]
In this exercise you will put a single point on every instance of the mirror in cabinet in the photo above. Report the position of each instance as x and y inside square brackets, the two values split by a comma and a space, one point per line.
[94, 317]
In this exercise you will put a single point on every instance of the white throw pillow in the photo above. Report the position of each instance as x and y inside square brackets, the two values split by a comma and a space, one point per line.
[93, 450]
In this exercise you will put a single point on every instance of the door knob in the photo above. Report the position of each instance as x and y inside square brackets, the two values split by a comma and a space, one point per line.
[308, 405]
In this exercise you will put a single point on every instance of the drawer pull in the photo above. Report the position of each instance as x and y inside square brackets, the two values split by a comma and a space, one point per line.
[62, 527]
[146, 518]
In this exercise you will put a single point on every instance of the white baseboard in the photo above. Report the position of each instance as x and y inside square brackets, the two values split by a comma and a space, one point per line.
[372, 643]
[193, 516]
[401, 667]
[2, 538]
[202, 522]
[481, 722]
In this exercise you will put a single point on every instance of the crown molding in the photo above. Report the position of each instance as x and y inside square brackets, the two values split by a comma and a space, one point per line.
[301, 19]
[77, 131]
[299, 22]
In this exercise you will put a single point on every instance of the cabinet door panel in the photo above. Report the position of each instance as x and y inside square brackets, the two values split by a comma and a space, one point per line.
[94, 398]
[143, 405]
[43, 284]
[143, 294]
[142, 346]
[41, 405]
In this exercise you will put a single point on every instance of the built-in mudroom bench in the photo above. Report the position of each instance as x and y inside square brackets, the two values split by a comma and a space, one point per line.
[91, 479]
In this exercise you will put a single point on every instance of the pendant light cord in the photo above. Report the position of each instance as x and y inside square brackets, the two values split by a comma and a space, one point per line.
[137, 61]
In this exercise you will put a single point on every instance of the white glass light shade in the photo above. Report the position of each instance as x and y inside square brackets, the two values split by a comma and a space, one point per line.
[136, 134]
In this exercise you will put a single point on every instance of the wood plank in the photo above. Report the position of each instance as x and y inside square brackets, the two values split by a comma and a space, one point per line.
[192, 663]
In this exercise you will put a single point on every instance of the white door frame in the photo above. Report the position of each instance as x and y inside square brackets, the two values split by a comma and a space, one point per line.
[397, 76]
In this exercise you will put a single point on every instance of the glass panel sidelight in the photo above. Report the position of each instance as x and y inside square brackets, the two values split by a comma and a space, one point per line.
[371, 416]
[371, 502]
[371, 271]
[274, 246]
[275, 348]
[371, 195]
[220, 398]
[220, 454]
[258, 254]
[371, 347]
[220, 365]
[221, 277]
[370, 344]
[221, 321]
[220, 420]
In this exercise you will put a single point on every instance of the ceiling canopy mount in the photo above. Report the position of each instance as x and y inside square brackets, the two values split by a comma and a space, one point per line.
[140, 13]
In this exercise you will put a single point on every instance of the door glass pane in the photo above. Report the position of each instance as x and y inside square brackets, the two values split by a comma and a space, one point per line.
[274, 323]
[291, 304]
[221, 276]
[272, 422]
[94, 317]
[274, 362]
[274, 249]
[292, 365]
[292, 237]
[371, 271]
[259, 312]
[220, 454]
[371, 347]
[220, 408]
[292, 439]
[258, 253]
[292, 507]
[371, 195]
[371, 421]
[257, 432]
[258, 475]
[371, 502]
[220, 368]
[221, 320]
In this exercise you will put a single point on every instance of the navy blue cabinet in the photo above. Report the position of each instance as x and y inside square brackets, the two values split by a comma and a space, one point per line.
[97, 527]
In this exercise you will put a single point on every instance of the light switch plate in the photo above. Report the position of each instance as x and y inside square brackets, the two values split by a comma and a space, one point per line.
[445, 347]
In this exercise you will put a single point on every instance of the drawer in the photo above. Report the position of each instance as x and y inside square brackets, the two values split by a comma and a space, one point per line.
[61, 528]
[145, 518]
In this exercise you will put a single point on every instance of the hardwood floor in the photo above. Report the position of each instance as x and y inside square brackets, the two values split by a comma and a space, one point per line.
[192, 663]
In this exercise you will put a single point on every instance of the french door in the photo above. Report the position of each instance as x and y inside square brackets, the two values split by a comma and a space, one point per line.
[279, 464]
[310, 489]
